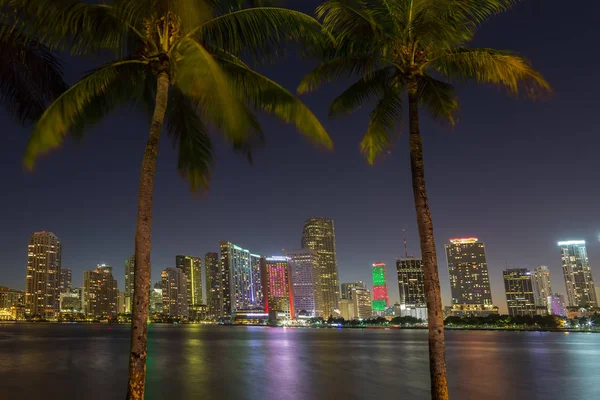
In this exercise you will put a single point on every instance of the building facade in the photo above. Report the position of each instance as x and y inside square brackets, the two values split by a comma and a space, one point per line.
[10, 297]
[380, 291]
[214, 291]
[129, 283]
[411, 287]
[241, 279]
[277, 285]
[469, 279]
[319, 235]
[578, 274]
[361, 300]
[304, 268]
[542, 288]
[42, 287]
[100, 292]
[346, 292]
[174, 293]
[65, 280]
[556, 305]
[192, 268]
[518, 285]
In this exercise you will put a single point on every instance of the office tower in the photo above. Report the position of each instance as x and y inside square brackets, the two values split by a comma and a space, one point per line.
[361, 299]
[541, 285]
[100, 292]
[556, 305]
[469, 280]
[192, 268]
[214, 291]
[129, 283]
[305, 271]
[346, 309]
[42, 289]
[156, 300]
[319, 235]
[174, 293]
[581, 291]
[71, 301]
[65, 280]
[240, 279]
[380, 292]
[277, 285]
[519, 292]
[346, 292]
[411, 283]
[10, 297]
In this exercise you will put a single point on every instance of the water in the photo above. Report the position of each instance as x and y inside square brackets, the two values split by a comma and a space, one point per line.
[194, 362]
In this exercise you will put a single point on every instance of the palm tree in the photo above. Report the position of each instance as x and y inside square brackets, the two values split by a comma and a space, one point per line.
[415, 48]
[181, 60]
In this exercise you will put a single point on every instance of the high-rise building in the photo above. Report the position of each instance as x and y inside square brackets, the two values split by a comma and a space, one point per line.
[556, 305]
[174, 293]
[241, 281]
[214, 290]
[519, 292]
[542, 287]
[71, 301]
[192, 268]
[100, 292]
[380, 291]
[411, 283]
[346, 309]
[581, 291]
[156, 300]
[347, 288]
[319, 235]
[42, 288]
[361, 299]
[65, 280]
[129, 283]
[305, 271]
[10, 297]
[469, 280]
[277, 285]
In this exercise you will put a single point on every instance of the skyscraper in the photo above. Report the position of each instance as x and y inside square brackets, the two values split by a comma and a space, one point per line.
[100, 292]
[174, 293]
[241, 281]
[129, 282]
[542, 288]
[305, 271]
[578, 274]
[214, 290]
[411, 283]
[319, 235]
[42, 287]
[277, 285]
[347, 288]
[65, 280]
[380, 291]
[469, 280]
[192, 268]
[519, 292]
[361, 298]
[556, 305]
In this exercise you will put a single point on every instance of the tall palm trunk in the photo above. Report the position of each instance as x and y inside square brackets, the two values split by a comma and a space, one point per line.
[437, 345]
[139, 320]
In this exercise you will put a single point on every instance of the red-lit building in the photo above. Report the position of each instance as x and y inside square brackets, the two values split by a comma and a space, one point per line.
[380, 291]
[277, 285]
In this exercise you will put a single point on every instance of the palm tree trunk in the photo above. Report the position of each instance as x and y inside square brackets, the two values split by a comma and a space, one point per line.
[139, 320]
[437, 345]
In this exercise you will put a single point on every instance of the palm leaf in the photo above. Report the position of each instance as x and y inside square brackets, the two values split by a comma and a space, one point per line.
[439, 98]
[339, 67]
[368, 87]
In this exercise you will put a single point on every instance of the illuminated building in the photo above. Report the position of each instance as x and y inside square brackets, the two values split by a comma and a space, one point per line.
[214, 291]
[346, 308]
[121, 306]
[361, 299]
[380, 292]
[156, 300]
[192, 268]
[518, 286]
[42, 288]
[240, 279]
[304, 268]
[65, 280]
[411, 287]
[174, 293]
[346, 292]
[556, 305]
[319, 235]
[10, 297]
[129, 282]
[542, 287]
[469, 280]
[100, 292]
[277, 285]
[71, 301]
[581, 291]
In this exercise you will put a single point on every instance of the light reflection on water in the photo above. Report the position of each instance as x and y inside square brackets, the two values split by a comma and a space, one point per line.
[199, 362]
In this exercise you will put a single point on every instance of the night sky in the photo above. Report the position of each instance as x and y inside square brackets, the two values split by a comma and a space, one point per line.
[518, 175]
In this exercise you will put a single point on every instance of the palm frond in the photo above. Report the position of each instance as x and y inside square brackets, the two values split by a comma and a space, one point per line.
[439, 98]
[368, 87]
[30, 75]
[384, 119]
[185, 127]
[339, 67]
[84, 104]
[497, 67]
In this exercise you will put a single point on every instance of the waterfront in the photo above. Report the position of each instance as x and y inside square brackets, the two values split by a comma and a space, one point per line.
[57, 361]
